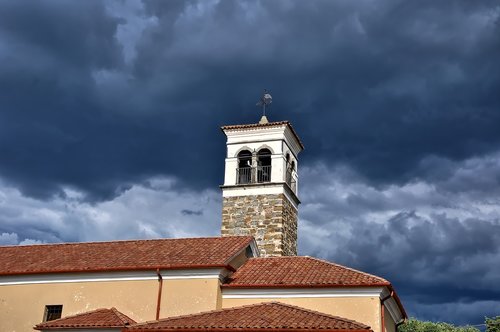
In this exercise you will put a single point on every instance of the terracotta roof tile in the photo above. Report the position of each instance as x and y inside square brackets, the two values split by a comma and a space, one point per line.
[299, 271]
[100, 318]
[303, 272]
[121, 255]
[270, 315]
[264, 125]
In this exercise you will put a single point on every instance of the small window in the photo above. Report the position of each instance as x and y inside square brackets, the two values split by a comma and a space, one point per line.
[264, 166]
[52, 312]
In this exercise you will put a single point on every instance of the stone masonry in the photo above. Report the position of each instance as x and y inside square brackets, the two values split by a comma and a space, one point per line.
[271, 219]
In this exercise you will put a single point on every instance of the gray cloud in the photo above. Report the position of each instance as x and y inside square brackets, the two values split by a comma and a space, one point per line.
[188, 212]
[152, 209]
[377, 86]
[436, 241]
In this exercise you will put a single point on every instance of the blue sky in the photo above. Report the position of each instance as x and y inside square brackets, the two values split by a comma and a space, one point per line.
[110, 115]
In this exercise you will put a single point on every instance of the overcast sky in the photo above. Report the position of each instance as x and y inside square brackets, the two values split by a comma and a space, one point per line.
[110, 115]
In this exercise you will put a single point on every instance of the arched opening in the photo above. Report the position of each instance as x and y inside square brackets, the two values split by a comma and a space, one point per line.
[244, 171]
[264, 165]
[290, 178]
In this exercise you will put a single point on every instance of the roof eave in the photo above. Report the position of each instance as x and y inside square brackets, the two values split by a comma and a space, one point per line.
[232, 329]
[398, 301]
[81, 327]
[124, 269]
[306, 286]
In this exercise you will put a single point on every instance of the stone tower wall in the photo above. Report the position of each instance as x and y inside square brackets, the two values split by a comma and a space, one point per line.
[271, 219]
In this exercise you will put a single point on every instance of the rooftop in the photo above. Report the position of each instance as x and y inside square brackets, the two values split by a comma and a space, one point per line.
[261, 316]
[100, 318]
[190, 253]
[299, 271]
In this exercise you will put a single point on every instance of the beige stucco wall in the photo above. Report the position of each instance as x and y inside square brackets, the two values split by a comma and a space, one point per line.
[188, 296]
[22, 306]
[365, 310]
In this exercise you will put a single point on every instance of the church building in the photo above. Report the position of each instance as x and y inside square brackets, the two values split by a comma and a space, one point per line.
[248, 279]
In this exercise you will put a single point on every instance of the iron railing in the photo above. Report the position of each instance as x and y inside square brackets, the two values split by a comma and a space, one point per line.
[244, 175]
[259, 174]
[263, 174]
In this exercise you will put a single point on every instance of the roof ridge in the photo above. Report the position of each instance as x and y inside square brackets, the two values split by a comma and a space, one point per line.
[123, 241]
[278, 257]
[121, 316]
[347, 268]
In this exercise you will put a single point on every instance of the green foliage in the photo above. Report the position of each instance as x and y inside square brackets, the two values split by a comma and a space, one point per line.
[493, 324]
[414, 325]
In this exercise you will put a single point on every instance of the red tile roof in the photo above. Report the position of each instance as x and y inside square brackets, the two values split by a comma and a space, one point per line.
[299, 271]
[122, 255]
[303, 272]
[262, 316]
[263, 125]
[100, 318]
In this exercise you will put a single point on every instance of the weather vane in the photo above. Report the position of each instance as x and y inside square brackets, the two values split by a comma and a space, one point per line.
[265, 100]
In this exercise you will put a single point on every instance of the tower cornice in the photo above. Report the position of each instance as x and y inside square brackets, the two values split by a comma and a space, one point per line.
[256, 126]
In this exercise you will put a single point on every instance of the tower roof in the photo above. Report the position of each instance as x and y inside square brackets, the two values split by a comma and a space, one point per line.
[259, 125]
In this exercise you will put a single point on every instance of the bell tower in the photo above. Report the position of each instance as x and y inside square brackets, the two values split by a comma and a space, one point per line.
[260, 185]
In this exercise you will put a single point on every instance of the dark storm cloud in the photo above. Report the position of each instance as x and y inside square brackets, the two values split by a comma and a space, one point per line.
[47, 53]
[432, 261]
[437, 242]
[378, 86]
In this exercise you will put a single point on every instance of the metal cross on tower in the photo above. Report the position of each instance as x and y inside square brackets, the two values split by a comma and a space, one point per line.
[265, 100]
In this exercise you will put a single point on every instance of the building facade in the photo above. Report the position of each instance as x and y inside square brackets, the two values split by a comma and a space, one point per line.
[253, 267]
[260, 191]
